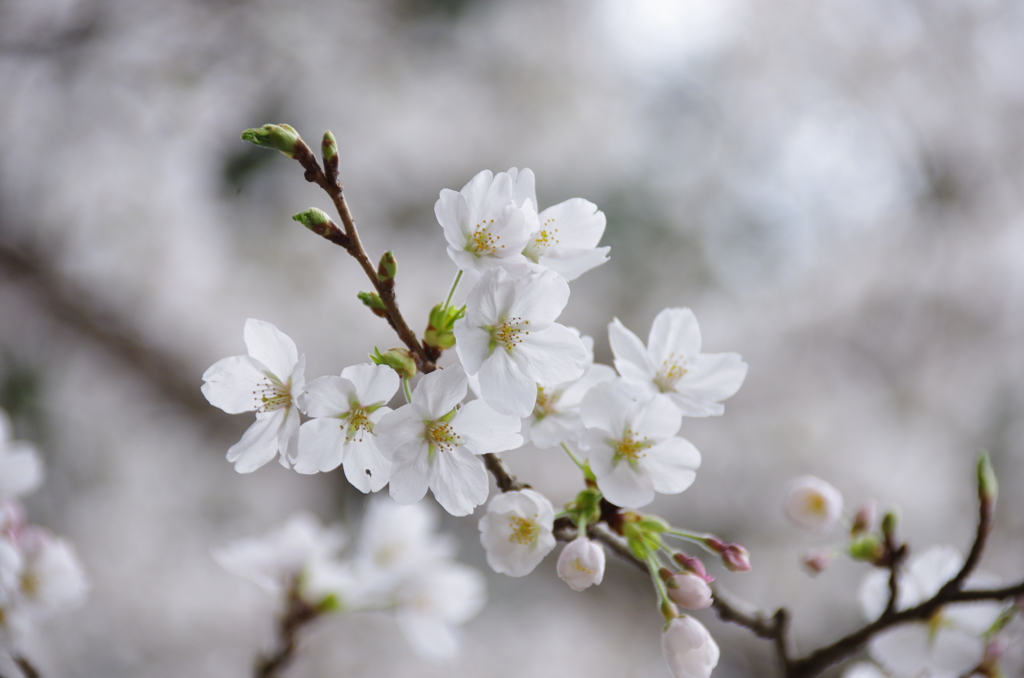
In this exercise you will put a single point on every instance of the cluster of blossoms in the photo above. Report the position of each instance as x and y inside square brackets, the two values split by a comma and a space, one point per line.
[520, 376]
[397, 564]
[40, 575]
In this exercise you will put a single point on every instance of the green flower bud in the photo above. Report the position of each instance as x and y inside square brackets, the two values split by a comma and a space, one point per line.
[398, 359]
[867, 548]
[314, 219]
[374, 303]
[388, 267]
[279, 137]
[988, 486]
[329, 604]
[439, 328]
[889, 521]
[329, 147]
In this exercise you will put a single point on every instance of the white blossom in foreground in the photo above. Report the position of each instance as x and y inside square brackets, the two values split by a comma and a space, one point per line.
[510, 340]
[274, 562]
[948, 645]
[564, 236]
[267, 381]
[484, 226]
[672, 363]
[21, 469]
[556, 413]
[432, 445]
[863, 670]
[813, 505]
[345, 411]
[689, 649]
[581, 564]
[632, 446]
[689, 591]
[516, 531]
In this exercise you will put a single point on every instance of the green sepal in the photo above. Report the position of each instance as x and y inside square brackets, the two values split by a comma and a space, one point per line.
[586, 507]
[439, 326]
[398, 359]
[312, 218]
[373, 302]
[388, 267]
[279, 137]
[654, 524]
[329, 147]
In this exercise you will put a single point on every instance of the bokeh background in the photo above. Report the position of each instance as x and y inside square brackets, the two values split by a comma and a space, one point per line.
[834, 186]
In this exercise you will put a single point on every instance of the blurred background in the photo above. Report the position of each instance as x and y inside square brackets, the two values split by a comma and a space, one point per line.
[836, 187]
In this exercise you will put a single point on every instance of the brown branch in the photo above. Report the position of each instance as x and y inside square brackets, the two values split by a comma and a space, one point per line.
[506, 481]
[27, 669]
[297, 614]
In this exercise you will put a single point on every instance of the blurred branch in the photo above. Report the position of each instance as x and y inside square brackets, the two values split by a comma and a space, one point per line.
[297, 614]
[506, 481]
[27, 669]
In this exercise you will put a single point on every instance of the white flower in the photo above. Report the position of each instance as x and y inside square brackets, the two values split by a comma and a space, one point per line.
[632, 446]
[813, 504]
[689, 649]
[565, 236]
[52, 578]
[266, 381]
[581, 564]
[510, 339]
[275, 561]
[516, 531]
[21, 469]
[863, 670]
[436, 600]
[484, 226]
[672, 363]
[346, 410]
[432, 445]
[689, 591]
[556, 414]
[949, 644]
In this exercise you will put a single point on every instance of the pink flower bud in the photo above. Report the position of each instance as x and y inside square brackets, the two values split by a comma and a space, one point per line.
[816, 562]
[689, 591]
[581, 564]
[864, 518]
[689, 649]
[694, 566]
[736, 558]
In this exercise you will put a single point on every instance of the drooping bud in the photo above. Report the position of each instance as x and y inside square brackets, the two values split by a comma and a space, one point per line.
[813, 504]
[373, 301]
[693, 566]
[988, 486]
[689, 649]
[398, 359]
[689, 591]
[442, 319]
[388, 267]
[279, 137]
[736, 558]
[864, 518]
[581, 564]
[816, 562]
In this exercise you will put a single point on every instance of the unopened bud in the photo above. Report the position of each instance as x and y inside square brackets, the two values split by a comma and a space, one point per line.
[689, 591]
[398, 359]
[388, 267]
[329, 147]
[693, 566]
[864, 518]
[736, 558]
[313, 219]
[816, 562]
[867, 548]
[373, 302]
[442, 319]
[889, 521]
[988, 487]
[581, 564]
[813, 504]
[279, 137]
[688, 648]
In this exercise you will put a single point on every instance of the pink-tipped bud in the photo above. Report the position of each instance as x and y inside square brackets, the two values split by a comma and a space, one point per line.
[864, 518]
[736, 558]
[816, 562]
[689, 591]
[693, 566]
[715, 544]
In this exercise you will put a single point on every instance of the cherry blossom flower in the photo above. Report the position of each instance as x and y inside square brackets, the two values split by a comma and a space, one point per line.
[950, 643]
[689, 591]
[431, 604]
[556, 413]
[510, 340]
[632, 446]
[863, 670]
[565, 236]
[274, 562]
[21, 469]
[484, 226]
[581, 564]
[516, 531]
[267, 381]
[431, 444]
[689, 649]
[346, 409]
[813, 505]
[52, 578]
[672, 363]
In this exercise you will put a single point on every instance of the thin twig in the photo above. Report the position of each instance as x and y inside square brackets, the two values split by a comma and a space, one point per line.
[27, 669]
[297, 614]
[502, 476]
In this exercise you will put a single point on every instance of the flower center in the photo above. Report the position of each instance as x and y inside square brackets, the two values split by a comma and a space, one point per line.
[631, 448]
[440, 435]
[507, 333]
[482, 242]
[544, 239]
[815, 503]
[547, 403]
[357, 424]
[271, 394]
[523, 531]
[672, 370]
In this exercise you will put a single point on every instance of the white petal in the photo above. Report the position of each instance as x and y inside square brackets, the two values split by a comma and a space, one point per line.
[329, 396]
[674, 332]
[523, 186]
[483, 430]
[258, 444]
[553, 355]
[504, 387]
[288, 436]
[374, 384]
[571, 264]
[446, 209]
[399, 429]
[672, 465]
[874, 594]
[605, 407]
[410, 475]
[230, 384]
[656, 419]
[321, 445]
[270, 346]
[902, 651]
[690, 405]
[955, 653]
[928, 572]
[489, 301]
[540, 298]
[21, 469]
[365, 467]
[631, 359]
[577, 222]
[626, 485]
[459, 481]
[472, 344]
[439, 392]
